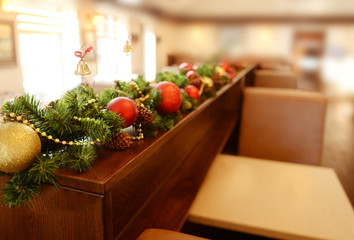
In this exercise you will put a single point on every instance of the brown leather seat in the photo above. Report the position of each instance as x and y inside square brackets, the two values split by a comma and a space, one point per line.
[275, 65]
[282, 124]
[275, 79]
[161, 234]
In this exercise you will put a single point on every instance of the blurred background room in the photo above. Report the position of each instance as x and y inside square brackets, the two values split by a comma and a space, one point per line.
[313, 38]
[38, 39]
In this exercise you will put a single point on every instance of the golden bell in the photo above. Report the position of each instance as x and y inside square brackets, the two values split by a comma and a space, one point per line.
[128, 48]
[82, 68]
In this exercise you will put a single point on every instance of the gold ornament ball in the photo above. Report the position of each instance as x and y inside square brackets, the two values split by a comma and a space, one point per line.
[19, 146]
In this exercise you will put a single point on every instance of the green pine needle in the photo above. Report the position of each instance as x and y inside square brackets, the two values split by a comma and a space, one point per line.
[27, 105]
[176, 78]
[141, 82]
[125, 89]
[19, 190]
[154, 100]
[206, 70]
[79, 158]
[43, 169]
[107, 95]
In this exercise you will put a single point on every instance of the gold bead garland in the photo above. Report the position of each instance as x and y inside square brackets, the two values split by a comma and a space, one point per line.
[91, 101]
[142, 98]
[87, 119]
[139, 101]
[140, 134]
[20, 118]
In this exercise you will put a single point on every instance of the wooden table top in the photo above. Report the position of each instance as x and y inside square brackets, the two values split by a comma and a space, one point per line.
[274, 199]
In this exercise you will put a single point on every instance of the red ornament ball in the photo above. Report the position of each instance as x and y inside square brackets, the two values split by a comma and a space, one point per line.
[192, 91]
[124, 107]
[171, 97]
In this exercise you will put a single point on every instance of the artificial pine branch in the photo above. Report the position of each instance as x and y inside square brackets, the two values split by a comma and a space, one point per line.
[19, 190]
[27, 105]
[154, 100]
[160, 123]
[126, 88]
[78, 158]
[42, 171]
[113, 121]
[207, 94]
[93, 128]
[141, 82]
[166, 122]
[176, 78]
[76, 100]
[188, 104]
[59, 121]
[107, 95]
[148, 129]
[206, 70]
[85, 91]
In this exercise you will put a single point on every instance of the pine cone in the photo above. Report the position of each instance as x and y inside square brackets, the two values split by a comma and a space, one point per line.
[119, 141]
[144, 115]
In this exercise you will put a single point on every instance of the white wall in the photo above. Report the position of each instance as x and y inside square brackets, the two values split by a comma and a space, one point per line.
[197, 40]
[10, 74]
[165, 34]
[203, 41]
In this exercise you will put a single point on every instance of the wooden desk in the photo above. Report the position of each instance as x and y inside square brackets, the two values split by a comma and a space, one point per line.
[150, 185]
[273, 199]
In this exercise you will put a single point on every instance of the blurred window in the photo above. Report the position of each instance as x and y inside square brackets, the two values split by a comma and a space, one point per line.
[47, 39]
[112, 62]
[150, 55]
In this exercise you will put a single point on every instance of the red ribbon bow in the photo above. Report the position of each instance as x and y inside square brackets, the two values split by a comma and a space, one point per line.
[79, 53]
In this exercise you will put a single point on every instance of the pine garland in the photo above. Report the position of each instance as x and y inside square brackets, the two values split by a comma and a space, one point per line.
[70, 126]
[206, 70]
[178, 79]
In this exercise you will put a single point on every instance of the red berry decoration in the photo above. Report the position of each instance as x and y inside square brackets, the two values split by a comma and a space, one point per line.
[195, 82]
[124, 107]
[225, 66]
[185, 66]
[171, 97]
[192, 91]
[192, 74]
[231, 73]
[194, 78]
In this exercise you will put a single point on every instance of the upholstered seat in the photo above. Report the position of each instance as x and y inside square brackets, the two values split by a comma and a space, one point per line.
[282, 124]
[274, 199]
[275, 65]
[161, 234]
[275, 79]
